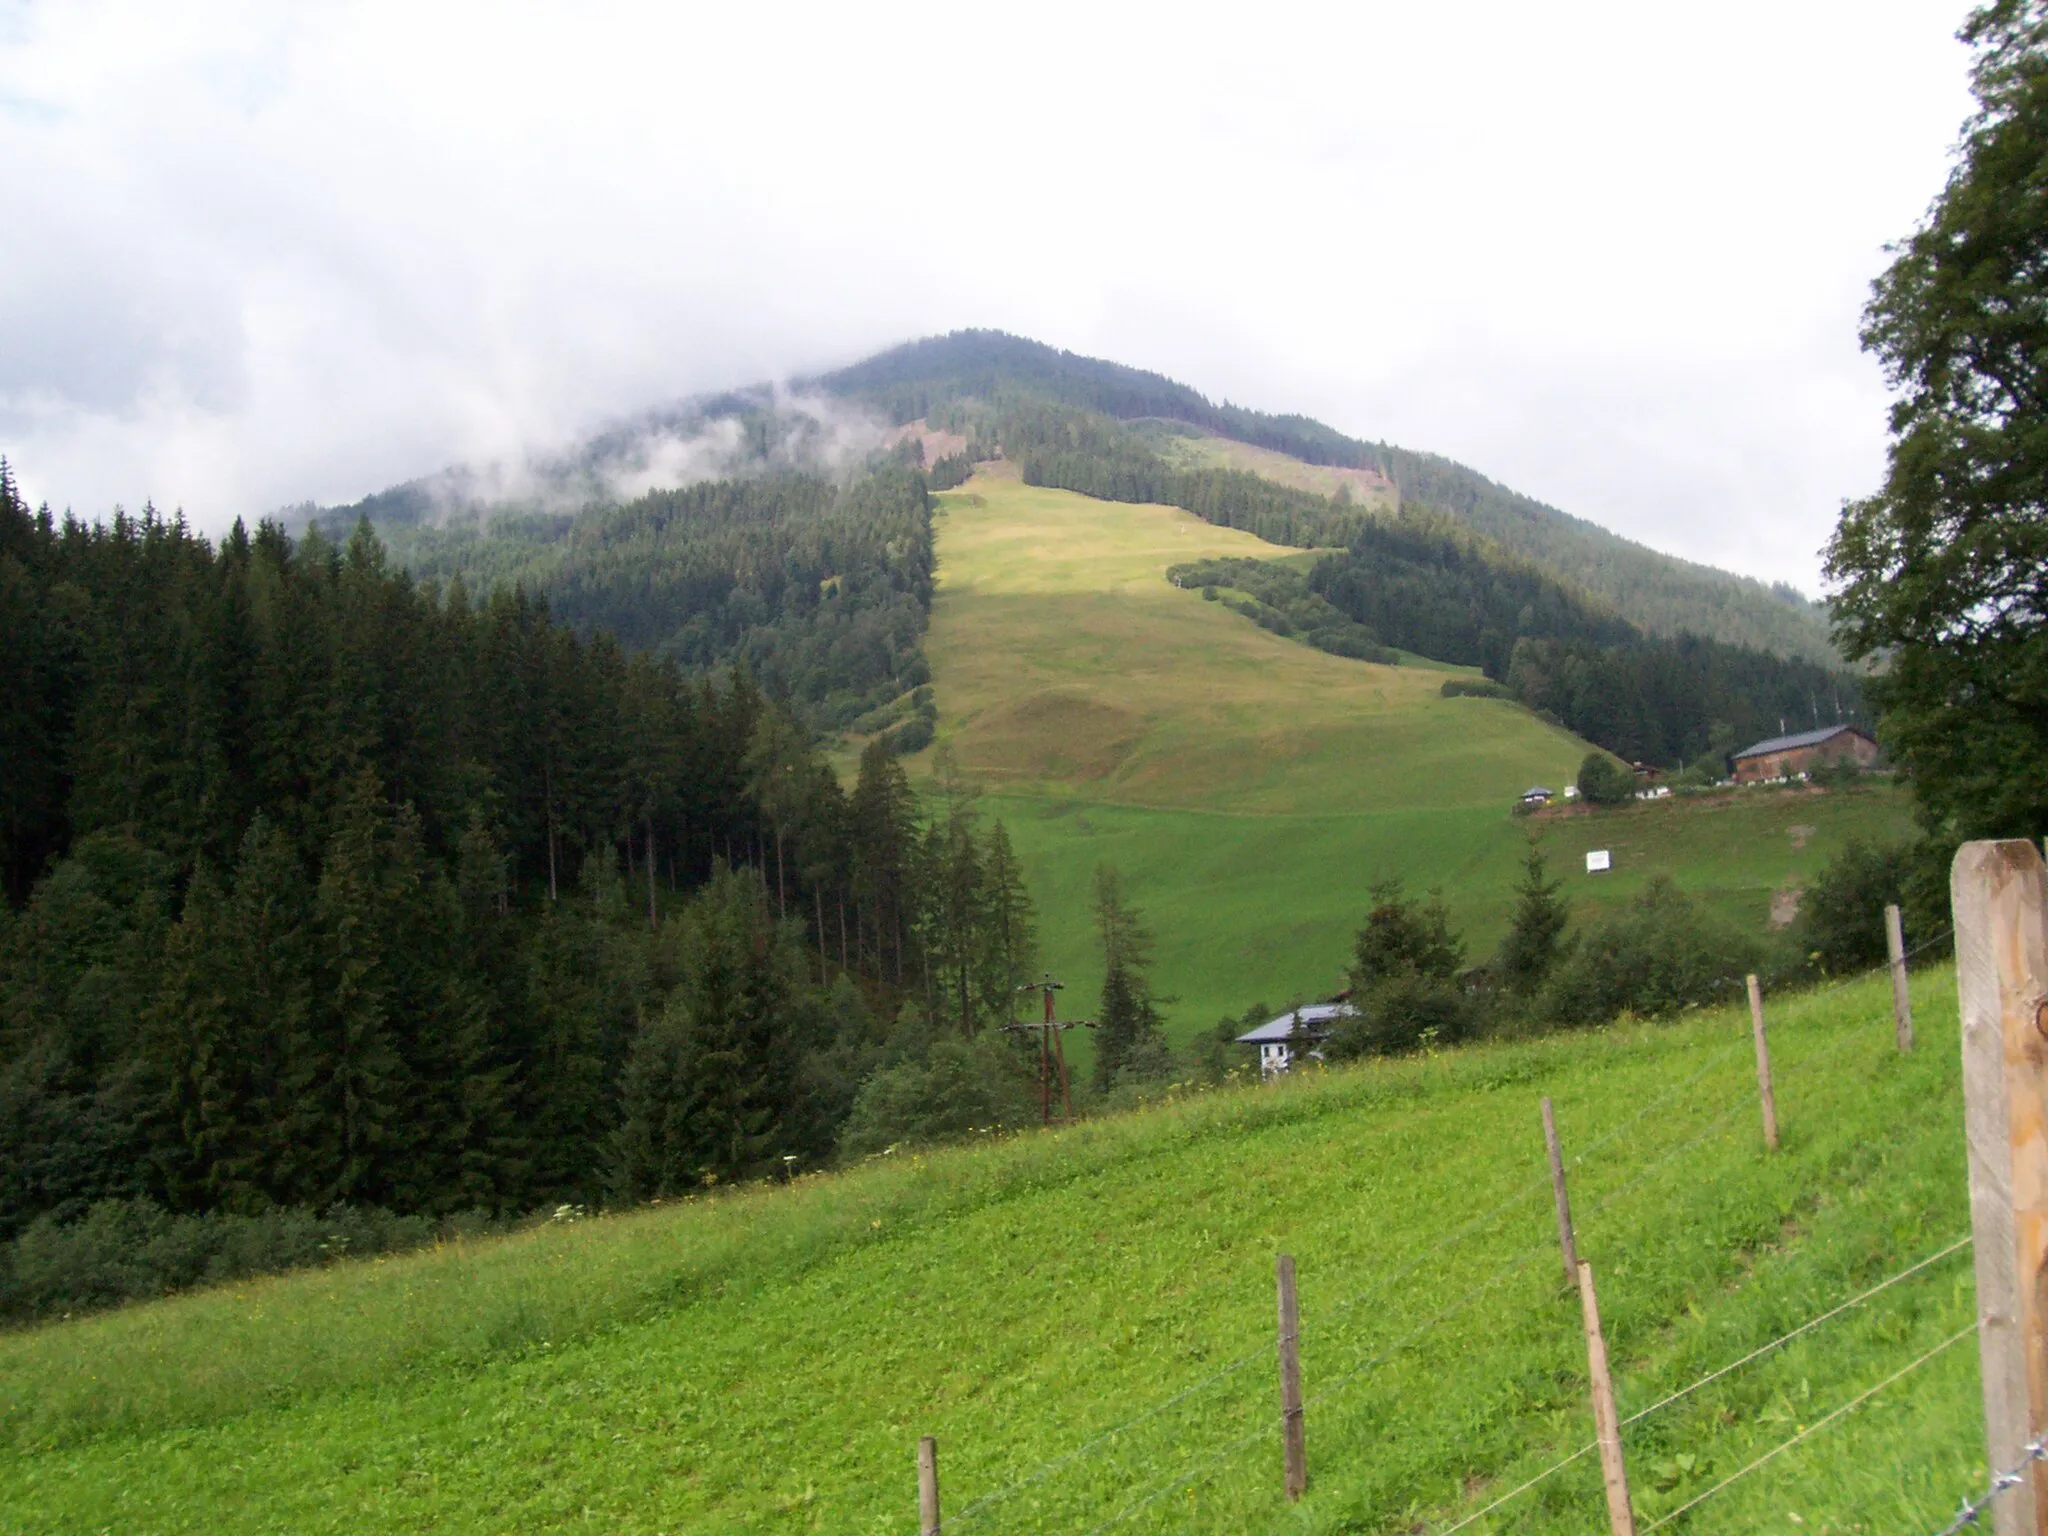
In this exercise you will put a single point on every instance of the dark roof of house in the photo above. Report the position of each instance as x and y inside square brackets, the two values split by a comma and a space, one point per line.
[1534, 790]
[1801, 739]
[1316, 1019]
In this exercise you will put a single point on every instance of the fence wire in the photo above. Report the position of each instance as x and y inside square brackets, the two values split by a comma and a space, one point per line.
[1485, 1220]
[1812, 1429]
[1482, 1222]
[1715, 1375]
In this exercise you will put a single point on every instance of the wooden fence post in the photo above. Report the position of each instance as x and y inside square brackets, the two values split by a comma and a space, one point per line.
[1621, 1518]
[928, 1487]
[1902, 1000]
[1290, 1381]
[1564, 1201]
[1999, 893]
[1763, 1064]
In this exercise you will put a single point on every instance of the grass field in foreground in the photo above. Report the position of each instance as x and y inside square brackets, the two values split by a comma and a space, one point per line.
[1084, 1319]
[1252, 789]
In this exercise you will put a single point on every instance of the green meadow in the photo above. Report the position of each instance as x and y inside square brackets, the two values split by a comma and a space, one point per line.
[1252, 789]
[1084, 1319]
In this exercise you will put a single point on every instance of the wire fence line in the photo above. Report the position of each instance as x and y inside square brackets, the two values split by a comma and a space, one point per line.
[1521, 1261]
[1190, 1475]
[1715, 1375]
[1848, 1037]
[1483, 1221]
[1521, 1488]
[1806, 1327]
[1181, 1480]
[1812, 1429]
[1047, 1468]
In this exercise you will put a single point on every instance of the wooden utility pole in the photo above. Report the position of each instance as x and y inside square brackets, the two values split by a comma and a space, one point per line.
[1565, 1241]
[1621, 1518]
[1999, 892]
[1902, 1000]
[1294, 1437]
[1763, 1064]
[1052, 1049]
[927, 1487]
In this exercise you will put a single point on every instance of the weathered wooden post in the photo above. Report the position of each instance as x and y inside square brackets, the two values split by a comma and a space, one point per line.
[1565, 1240]
[1999, 893]
[928, 1487]
[1763, 1064]
[1621, 1517]
[1294, 1437]
[1902, 1000]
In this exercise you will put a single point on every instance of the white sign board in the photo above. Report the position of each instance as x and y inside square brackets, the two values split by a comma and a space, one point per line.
[1598, 860]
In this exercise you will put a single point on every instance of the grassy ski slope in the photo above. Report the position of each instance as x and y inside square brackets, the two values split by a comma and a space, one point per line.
[1252, 789]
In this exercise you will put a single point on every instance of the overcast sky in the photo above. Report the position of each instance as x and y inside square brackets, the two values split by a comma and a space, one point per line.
[1611, 255]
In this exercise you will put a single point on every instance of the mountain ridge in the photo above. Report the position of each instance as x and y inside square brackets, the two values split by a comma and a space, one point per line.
[1665, 594]
[839, 422]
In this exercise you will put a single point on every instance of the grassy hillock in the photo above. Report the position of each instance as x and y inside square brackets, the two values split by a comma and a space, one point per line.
[1085, 1318]
[1252, 789]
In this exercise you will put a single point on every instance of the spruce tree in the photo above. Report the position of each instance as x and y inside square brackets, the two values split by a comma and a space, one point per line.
[1536, 933]
[348, 1090]
[1128, 1029]
[710, 1081]
[1008, 942]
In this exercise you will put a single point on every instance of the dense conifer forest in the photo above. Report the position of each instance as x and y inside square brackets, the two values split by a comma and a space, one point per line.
[325, 885]
[821, 590]
[1424, 586]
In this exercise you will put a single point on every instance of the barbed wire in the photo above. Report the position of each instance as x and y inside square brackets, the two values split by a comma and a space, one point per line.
[2036, 1450]
[1812, 1429]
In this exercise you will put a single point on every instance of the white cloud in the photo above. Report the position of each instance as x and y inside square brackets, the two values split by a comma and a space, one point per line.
[1612, 255]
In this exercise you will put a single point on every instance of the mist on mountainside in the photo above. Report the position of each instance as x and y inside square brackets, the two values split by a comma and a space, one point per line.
[741, 434]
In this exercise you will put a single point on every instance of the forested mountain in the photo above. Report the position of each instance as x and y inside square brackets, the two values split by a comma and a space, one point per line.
[968, 375]
[821, 590]
[1423, 584]
[326, 885]
[800, 546]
